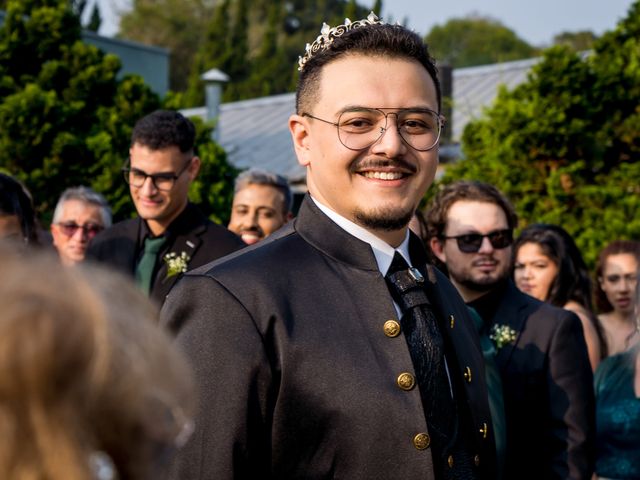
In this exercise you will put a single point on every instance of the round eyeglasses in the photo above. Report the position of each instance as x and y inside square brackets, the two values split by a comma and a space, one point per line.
[359, 128]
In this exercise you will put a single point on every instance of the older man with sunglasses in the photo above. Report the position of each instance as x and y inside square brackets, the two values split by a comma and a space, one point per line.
[537, 367]
[80, 215]
[170, 235]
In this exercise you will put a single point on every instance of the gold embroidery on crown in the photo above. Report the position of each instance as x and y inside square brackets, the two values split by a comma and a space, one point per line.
[327, 34]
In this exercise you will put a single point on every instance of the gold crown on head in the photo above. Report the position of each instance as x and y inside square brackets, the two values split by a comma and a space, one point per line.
[327, 34]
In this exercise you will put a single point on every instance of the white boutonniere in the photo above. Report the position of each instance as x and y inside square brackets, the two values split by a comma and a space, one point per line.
[503, 335]
[176, 264]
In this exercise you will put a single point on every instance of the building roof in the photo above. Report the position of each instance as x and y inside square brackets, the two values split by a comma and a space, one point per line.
[255, 132]
[475, 88]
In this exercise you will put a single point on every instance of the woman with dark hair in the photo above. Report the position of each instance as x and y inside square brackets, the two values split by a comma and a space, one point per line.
[549, 267]
[617, 380]
[615, 293]
[17, 216]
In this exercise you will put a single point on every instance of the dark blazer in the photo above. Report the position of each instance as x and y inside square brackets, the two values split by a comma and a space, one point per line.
[120, 246]
[297, 377]
[548, 391]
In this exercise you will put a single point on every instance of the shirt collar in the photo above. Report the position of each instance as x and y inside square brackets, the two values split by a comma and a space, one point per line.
[381, 249]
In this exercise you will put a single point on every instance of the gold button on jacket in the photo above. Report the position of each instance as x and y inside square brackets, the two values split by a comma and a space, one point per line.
[406, 381]
[391, 328]
[422, 441]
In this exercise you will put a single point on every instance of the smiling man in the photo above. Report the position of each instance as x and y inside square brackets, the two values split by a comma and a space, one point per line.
[170, 235]
[261, 205]
[333, 350]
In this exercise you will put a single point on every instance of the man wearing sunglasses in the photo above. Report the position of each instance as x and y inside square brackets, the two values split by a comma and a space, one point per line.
[80, 215]
[541, 393]
[170, 235]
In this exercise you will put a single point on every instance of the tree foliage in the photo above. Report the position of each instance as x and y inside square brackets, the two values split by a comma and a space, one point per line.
[564, 146]
[175, 24]
[578, 41]
[475, 40]
[66, 119]
[255, 42]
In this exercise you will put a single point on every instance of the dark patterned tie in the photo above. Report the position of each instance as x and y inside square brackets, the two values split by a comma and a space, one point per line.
[427, 348]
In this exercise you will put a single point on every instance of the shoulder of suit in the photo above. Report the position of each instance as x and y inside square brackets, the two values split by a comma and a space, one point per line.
[274, 252]
[126, 228]
[217, 231]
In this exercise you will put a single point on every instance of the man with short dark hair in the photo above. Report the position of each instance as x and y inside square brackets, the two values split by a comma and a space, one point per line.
[333, 349]
[170, 235]
[543, 382]
[80, 214]
[261, 205]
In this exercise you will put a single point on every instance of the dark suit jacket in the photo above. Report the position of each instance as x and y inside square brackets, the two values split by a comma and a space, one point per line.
[548, 391]
[120, 246]
[296, 375]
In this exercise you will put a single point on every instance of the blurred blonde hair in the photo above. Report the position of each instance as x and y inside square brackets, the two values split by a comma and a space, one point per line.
[83, 369]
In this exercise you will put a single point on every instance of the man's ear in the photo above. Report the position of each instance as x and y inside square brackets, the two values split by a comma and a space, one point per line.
[299, 128]
[437, 247]
[194, 168]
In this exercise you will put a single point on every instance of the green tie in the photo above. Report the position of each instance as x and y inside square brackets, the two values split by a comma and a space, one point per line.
[146, 266]
[494, 384]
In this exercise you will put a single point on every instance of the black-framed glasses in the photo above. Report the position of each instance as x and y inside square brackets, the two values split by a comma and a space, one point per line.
[471, 242]
[163, 181]
[89, 230]
[360, 127]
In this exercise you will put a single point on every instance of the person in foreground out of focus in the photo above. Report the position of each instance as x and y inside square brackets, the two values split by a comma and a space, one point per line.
[617, 380]
[548, 266]
[90, 387]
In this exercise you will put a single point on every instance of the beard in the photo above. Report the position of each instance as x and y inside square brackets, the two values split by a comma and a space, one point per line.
[387, 219]
[478, 282]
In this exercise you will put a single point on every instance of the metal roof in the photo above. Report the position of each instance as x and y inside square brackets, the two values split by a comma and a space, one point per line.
[475, 88]
[255, 132]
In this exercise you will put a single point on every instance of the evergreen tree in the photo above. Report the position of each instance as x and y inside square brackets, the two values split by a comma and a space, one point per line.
[476, 40]
[213, 53]
[351, 10]
[95, 20]
[377, 8]
[564, 146]
[65, 118]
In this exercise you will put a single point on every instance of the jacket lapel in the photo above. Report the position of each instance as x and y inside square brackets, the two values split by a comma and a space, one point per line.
[188, 243]
[511, 313]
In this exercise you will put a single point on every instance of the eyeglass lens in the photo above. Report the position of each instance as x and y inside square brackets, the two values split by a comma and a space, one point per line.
[472, 242]
[362, 127]
[88, 229]
[162, 181]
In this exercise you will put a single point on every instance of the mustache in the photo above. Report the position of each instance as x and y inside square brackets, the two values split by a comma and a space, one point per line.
[373, 163]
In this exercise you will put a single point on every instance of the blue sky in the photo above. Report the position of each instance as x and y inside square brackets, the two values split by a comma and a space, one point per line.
[536, 21]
